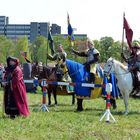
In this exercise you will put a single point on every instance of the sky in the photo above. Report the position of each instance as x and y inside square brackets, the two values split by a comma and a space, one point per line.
[96, 18]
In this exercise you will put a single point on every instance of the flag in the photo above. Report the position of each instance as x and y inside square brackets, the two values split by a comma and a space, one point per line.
[51, 43]
[24, 54]
[70, 30]
[128, 32]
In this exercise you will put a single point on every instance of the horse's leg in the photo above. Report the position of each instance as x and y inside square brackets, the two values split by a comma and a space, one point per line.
[79, 105]
[125, 98]
[54, 94]
[49, 96]
[73, 99]
[113, 103]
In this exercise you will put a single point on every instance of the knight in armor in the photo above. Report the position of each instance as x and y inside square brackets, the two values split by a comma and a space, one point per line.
[15, 101]
[92, 55]
[134, 61]
[60, 58]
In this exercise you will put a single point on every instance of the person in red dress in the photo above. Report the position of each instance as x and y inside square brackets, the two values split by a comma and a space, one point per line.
[15, 100]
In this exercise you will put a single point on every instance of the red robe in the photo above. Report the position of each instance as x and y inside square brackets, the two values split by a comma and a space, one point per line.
[19, 92]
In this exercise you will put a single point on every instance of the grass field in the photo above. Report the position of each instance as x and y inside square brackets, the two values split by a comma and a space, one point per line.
[63, 123]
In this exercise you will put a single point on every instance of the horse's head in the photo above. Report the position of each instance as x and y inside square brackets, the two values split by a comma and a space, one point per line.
[114, 66]
[109, 66]
[37, 69]
[61, 71]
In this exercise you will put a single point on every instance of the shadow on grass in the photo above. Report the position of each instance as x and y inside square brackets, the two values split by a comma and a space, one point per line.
[57, 108]
[38, 107]
[122, 113]
[4, 117]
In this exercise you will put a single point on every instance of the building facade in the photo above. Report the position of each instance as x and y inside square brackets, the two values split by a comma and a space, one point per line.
[32, 30]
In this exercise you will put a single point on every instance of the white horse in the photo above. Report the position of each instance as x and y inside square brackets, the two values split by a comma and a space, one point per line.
[123, 76]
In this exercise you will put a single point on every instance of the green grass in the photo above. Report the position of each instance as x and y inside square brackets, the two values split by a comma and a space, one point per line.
[63, 123]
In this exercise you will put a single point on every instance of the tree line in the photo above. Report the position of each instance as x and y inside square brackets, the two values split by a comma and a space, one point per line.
[37, 51]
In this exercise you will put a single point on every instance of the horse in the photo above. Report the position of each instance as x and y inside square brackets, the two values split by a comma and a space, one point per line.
[123, 76]
[49, 73]
[79, 74]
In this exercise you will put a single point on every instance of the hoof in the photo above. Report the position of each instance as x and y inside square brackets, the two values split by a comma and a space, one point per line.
[79, 110]
[12, 117]
[114, 106]
[49, 103]
[125, 113]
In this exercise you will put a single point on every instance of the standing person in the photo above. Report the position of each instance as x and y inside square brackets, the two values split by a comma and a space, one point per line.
[92, 55]
[15, 100]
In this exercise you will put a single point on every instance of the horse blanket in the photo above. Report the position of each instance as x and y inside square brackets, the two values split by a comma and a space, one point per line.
[79, 75]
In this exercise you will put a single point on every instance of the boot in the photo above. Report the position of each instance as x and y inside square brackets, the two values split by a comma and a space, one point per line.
[92, 79]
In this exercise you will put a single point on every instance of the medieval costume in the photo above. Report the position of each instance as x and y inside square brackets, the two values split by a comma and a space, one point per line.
[92, 55]
[134, 65]
[60, 58]
[15, 100]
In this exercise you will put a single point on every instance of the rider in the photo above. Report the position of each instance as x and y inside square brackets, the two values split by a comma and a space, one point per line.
[134, 60]
[60, 58]
[92, 55]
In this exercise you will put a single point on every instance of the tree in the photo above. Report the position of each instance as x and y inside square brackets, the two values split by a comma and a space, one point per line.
[104, 46]
[6, 48]
[39, 49]
[22, 46]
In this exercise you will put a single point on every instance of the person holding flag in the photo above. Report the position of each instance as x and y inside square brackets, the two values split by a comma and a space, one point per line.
[92, 55]
[134, 58]
[60, 58]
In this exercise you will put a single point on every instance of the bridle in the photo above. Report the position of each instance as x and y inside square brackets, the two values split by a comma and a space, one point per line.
[110, 67]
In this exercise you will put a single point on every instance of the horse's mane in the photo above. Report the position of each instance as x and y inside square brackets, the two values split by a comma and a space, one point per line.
[47, 72]
[121, 65]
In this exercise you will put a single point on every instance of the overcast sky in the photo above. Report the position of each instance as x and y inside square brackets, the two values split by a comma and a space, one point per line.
[96, 18]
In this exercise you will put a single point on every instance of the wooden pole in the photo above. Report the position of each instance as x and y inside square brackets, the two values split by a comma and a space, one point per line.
[122, 37]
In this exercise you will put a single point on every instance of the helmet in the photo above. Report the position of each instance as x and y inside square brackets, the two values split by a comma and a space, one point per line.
[90, 43]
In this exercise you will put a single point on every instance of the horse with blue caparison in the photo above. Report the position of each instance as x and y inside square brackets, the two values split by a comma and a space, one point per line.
[79, 74]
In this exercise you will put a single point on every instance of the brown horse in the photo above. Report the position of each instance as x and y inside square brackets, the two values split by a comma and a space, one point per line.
[49, 73]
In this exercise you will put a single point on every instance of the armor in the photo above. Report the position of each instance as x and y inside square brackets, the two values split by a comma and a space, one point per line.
[92, 57]
[91, 54]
